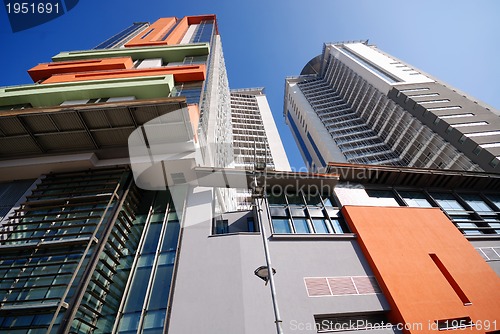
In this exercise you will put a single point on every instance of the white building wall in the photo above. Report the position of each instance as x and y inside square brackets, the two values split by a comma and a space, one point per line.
[273, 137]
[406, 74]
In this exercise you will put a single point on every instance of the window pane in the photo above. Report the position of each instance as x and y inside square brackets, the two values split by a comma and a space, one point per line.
[415, 199]
[152, 238]
[469, 228]
[301, 225]
[221, 226]
[495, 199]
[129, 322]
[336, 226]
[250, 225]
[320, 225]
[313, 200]
[327, 201]
[154, 319]
[476, 203]
[138, 289]
[161, 288]
[281, 225]
[276, 199]
[447, 202]
[385, 197]
[295, 199]
[171, 237]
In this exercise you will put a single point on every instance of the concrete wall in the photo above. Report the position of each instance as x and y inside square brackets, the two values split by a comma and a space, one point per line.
[216, 290]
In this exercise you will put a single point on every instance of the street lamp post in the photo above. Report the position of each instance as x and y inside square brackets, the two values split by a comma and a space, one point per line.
[267, 272]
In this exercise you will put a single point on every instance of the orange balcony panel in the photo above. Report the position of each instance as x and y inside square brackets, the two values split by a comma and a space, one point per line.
[180, 73]
[175, 37]
[154, 34]
[426, 268]
[44, 71]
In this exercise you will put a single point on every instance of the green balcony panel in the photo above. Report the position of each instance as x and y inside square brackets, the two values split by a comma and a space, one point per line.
[40, 95]
[175, 53]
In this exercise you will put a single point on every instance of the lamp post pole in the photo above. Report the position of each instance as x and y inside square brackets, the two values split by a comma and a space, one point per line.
[277, 317]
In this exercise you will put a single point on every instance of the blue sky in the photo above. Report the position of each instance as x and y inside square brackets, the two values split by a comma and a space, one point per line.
[265, 41]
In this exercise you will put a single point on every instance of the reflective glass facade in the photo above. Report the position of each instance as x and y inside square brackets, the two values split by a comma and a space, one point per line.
[86, 252]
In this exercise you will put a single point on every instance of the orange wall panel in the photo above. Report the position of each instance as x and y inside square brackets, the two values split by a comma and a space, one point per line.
[402, 245]
[194, 116]
[181, 74]
[180, 30]
[44, 71]
[153, 34]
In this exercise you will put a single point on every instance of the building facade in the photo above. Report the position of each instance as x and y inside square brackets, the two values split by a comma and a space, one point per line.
[96, 162]
[362, 248]
[255, 137]
[117, 176]
[355, 103]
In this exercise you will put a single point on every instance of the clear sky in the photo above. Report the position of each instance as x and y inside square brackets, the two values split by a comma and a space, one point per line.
[264, 41]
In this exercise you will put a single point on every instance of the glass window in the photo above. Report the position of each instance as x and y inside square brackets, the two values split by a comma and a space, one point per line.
[295, 199]
[129, 322]
[250, 225]
[221, 226]
[301, 225]
[320, 225]
[468, 228]
[385, 197]
[276, 199]
[281, 225]
[337, 227]
[415, 199]
[476, 203]
[314, 200]
[161, 287]
[327, 201]
[152, 238]
[171, 236]
[166, 258]
[447, 202]
[138, 289]
[495, 199]
[154, 319]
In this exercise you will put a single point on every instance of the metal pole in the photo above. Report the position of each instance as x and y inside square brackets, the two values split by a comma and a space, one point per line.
[277, 317]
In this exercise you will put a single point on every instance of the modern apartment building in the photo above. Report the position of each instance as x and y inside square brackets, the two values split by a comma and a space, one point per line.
[256, 140]
[355, 103]
[89, 230]
[255, 136]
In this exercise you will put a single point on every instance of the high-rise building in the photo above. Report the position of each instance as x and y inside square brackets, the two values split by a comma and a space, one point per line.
[355, 103]
[96, 165]
[255, 137]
